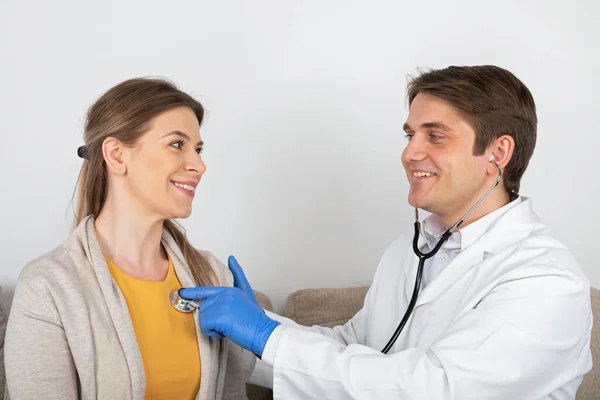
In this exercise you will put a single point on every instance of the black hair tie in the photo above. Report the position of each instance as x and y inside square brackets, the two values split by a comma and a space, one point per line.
[82, 152]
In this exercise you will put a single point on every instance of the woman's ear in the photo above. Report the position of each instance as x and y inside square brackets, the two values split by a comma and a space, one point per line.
[112, 150]
[501, 150]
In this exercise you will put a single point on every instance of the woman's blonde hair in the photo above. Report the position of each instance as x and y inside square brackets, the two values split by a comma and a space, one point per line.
[125, 112]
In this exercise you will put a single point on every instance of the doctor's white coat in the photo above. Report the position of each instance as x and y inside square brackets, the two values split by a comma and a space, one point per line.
[509, 318]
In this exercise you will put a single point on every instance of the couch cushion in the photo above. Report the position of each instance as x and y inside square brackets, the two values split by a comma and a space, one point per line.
[324, 307]
[590, 387]
[263, 300]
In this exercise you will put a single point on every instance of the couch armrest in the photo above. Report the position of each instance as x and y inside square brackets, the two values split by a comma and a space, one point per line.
[590, 387]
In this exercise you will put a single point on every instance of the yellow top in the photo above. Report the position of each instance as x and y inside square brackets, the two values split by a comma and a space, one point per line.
[166, 337]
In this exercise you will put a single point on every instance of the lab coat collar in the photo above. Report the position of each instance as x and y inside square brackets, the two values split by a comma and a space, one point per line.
[433, 228]
[515, 224]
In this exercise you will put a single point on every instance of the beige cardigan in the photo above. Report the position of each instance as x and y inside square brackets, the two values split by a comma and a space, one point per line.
[70, 336]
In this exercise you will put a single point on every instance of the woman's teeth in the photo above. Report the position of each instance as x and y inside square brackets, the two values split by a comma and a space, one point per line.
[184, 186]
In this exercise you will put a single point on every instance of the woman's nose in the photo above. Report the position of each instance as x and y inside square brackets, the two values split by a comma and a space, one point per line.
[196, 164]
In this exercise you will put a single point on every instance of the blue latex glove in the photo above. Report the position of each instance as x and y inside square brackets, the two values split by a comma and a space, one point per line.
[239, 279]
[230, 312]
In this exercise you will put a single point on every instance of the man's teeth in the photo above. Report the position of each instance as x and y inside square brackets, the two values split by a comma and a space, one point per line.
[186, 187]
[422, 174]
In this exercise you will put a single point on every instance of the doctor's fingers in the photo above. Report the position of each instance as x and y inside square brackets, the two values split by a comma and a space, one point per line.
[239, 278]
[200, 293]
[224, 302]
[213, 333]
[214, 318]
[210, 326]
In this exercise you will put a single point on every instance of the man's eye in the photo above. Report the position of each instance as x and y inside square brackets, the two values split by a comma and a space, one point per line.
[408, 136]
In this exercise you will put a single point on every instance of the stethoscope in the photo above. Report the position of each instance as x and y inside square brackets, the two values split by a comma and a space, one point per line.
[424, 256]
[189, 306]
[181, 304]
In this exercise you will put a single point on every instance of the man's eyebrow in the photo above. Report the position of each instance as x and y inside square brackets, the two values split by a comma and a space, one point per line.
[182, 135]
[429, 125]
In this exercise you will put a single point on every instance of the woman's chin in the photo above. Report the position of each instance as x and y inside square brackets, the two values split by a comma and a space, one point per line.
[178, 213]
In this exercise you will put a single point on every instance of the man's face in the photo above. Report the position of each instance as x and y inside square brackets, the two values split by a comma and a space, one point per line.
[444, 175]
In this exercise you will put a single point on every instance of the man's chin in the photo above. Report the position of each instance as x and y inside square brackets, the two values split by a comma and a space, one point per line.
[417, 202]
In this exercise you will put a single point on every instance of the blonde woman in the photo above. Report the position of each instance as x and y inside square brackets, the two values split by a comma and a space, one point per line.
[92, 319]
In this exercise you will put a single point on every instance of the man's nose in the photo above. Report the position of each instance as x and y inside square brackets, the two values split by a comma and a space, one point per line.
[416, 149]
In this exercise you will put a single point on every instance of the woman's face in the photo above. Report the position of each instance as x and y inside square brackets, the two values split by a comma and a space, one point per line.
[164, 167]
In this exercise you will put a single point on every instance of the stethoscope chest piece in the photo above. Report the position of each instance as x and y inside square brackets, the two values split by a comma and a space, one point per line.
[182, 305]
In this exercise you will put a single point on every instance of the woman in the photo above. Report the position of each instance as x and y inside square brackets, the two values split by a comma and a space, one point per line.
[92, 319]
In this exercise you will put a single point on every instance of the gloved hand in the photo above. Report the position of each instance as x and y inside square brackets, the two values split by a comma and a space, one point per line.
[239, 279]
[230, 312]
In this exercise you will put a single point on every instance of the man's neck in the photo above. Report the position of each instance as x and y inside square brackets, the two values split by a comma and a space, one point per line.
[497, 199]
[131, 239]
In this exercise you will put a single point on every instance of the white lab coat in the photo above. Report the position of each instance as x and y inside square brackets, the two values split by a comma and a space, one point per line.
[508, 318]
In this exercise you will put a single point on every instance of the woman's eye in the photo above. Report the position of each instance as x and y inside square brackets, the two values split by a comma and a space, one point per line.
[199, 150]
[178, 144]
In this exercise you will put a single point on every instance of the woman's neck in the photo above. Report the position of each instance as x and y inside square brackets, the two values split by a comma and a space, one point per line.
[132, 241]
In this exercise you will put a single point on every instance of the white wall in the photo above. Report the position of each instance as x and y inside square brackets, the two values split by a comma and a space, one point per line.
[305, 106]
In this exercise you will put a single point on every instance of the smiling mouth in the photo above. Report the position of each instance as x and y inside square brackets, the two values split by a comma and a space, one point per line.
[185, 188]
[419, 176]
[423, 174]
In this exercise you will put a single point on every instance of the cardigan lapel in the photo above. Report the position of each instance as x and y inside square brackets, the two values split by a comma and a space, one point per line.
[117, 306]
[210, 381]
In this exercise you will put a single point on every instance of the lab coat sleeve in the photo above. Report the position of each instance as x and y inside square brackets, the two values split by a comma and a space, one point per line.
[515, 344]
[38, 360]
[346, 334]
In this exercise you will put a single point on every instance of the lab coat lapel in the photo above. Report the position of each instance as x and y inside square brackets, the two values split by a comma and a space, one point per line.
[117, 307]
[512, 227]
[464, 261]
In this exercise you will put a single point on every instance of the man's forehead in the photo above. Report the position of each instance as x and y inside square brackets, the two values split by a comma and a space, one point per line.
[428, 111]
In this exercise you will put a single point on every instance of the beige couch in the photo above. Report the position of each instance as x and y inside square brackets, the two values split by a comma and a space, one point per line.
[330, 307]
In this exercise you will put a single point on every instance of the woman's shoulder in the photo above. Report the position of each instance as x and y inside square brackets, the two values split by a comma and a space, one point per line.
[51, 266]
[220, 268]
[58, 266]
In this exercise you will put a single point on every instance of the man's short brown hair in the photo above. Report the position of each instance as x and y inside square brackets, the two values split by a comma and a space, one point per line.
[494, 101]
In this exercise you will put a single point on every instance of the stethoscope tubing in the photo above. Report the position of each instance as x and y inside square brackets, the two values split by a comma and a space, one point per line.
[424, 256]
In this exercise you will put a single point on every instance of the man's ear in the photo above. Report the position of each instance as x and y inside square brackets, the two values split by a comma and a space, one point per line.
[502, 151]
[112, 150]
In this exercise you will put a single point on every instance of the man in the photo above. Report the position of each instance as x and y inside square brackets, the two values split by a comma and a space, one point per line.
[503, 310]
